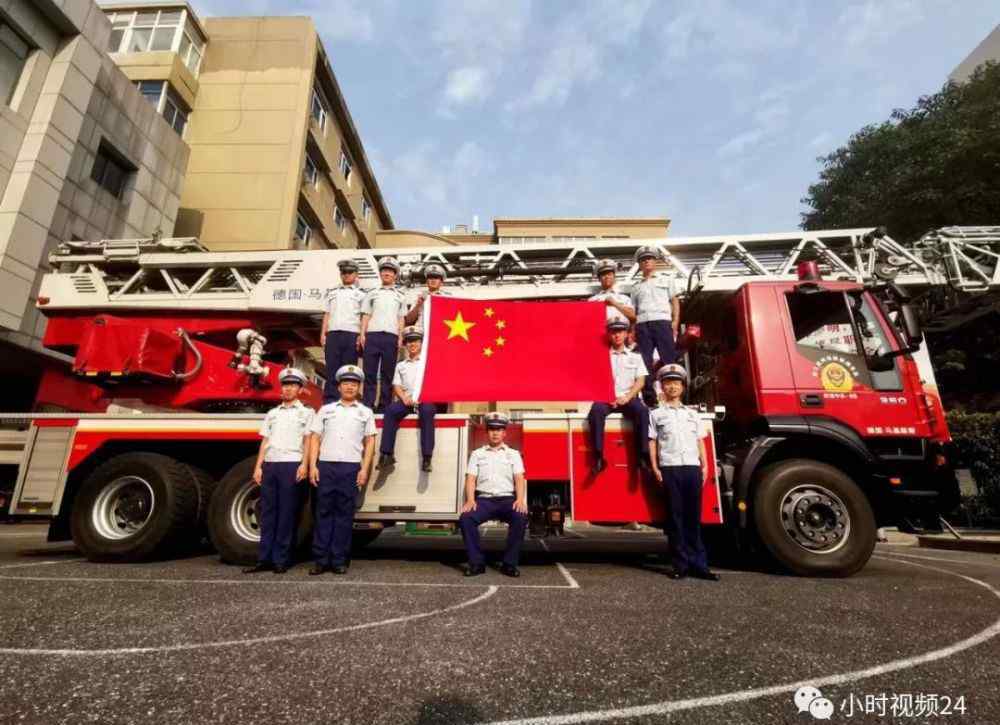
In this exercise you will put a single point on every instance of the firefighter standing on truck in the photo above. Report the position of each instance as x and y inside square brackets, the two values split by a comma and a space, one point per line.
[435, 276]
[341, 325]
[340, 455]
[382, 315]
[619, 306]
[282, 464]
[680, 464]
[495, 488]
[658, 314]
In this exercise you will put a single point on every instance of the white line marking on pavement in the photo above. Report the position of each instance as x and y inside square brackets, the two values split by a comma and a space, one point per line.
[40, 563]
[253, 640]
[948, 559]
[567, 576]
[671, 706]
[544, 545]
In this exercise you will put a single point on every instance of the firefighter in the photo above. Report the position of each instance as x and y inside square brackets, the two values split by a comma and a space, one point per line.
[281, 466]
[629, 372]
[382, 315]
[435, 275]
[658, 314]
[341, 325]
[404, 387]
[619, 306]
[677, 453]
[340, 455]
[495, 488]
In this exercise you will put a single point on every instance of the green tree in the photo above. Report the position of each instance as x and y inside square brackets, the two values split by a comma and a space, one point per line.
[935, 165]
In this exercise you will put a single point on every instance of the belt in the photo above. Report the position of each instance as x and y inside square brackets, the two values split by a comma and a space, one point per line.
[480, 494]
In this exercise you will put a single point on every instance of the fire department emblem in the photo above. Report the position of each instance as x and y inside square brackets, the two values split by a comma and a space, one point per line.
[836, 378]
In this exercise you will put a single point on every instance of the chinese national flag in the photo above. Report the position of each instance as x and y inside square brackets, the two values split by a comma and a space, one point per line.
[489, 350]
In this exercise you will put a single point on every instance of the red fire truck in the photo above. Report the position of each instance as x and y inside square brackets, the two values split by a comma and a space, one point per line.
[818, 403]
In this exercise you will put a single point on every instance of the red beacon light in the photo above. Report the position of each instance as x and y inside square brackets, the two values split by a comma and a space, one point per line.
[808, 271]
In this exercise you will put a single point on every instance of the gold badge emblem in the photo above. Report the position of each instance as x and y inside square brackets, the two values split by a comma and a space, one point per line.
[836, 378]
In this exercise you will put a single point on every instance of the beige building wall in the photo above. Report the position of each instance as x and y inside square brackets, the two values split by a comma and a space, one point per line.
[986, 51]
[70, 101]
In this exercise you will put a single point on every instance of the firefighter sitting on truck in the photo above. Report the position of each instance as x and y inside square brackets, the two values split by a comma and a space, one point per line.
[340, 455]
[629, 373]
[680, 464]
[495, 488]
[404, 387]
[282, 464]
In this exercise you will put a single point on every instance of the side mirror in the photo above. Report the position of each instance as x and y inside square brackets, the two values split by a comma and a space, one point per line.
[911, 325]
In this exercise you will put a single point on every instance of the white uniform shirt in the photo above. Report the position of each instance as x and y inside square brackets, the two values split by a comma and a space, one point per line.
[344, 306]
[406, 374]
[677, 430]
[342, 429]
[626, 366]
[612, 312]
[651, 298]
[284, 427]
[494, 469]
[426, 293]
[385, 305]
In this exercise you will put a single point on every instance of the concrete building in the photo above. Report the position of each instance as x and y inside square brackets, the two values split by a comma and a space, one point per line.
[526, 231]
[82, 155]
[988, 50]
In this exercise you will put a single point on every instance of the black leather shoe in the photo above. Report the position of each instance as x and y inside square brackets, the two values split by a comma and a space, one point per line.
[511, 571]
[258, 567]
[426, 465]
[318, 569]
[339, 569]
[600, 464]
[471, 570]
[678, 575]
[705, 574]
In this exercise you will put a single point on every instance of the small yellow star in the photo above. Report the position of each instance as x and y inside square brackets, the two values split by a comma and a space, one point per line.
[459, 327]
[488, 351]
[489, 312]
[501, 341]
[501, 324]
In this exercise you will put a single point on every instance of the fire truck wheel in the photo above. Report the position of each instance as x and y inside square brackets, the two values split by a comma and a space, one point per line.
[205, 484]
[813, 519]
[134, 507]
[362, 537]
[234, 516]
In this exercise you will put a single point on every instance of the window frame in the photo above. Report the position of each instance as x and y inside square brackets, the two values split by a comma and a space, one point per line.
[318, 99]
[311, 176]
[167, 95]
[301, 220]
[29, 48]
[105, 158]
[346, 161]
[183, 27]
[366, 209]
[339, 220]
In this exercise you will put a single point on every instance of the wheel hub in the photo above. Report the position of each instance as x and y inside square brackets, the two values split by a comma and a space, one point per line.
[244, 512]
[123, 508]
[815, 518]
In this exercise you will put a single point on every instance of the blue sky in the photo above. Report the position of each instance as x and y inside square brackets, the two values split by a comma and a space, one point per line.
[711, 113]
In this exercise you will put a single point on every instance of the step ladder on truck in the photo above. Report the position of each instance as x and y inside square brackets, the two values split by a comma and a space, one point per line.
[818, 403]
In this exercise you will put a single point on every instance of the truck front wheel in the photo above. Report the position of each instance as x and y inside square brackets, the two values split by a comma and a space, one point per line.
[813, 519]
[134, 507]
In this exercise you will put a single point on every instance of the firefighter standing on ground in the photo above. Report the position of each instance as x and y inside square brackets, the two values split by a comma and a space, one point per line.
[282, 464]
[382, 315]
[680, 464]
[495, 488]
[658, 314]
[340, 455]
[341, 326]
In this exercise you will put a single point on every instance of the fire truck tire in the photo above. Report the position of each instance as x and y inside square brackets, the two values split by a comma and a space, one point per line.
[133, 507]
[813, 519]
[233, 516]
[363, 537]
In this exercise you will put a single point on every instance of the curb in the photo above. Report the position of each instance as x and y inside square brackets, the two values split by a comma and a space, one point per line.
[986, 546]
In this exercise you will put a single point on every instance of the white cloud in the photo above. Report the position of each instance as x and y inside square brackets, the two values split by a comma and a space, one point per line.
[876, 21]
[821, 140]
[722, 26]
[346, 20]
[466, 85]
[427, 175]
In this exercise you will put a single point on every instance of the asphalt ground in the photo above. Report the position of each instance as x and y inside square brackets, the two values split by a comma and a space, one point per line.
[593, 631]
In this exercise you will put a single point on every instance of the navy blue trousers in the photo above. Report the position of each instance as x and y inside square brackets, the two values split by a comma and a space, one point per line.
[281, 498]
[683, 525]
[335, 497]
[656, 335]
[634, 411]
[500, 508]
[394, 414]
[381, 348]
[341, 349]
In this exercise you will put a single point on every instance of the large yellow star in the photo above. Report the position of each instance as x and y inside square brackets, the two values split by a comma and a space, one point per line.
[459, 327]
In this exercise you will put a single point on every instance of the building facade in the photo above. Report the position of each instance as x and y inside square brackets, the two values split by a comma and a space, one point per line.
[528, 230]
[988, 50]
[82, 155]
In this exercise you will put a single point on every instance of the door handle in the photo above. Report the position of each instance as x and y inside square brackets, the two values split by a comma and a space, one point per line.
[811, 400]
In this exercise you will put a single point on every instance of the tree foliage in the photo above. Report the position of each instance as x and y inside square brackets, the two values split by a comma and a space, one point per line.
[935, 165]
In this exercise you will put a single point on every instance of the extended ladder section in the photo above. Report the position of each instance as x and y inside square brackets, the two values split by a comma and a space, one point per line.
[179, 275]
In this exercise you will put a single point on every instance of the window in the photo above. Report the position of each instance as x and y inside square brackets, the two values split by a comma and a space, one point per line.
[14, 52]
[517, 241]
[366, 209]
[339, 219]
[109, 171]
[166, 103]
[318, 109]
[345, 166]
[311, 174]
[302, 231]
[151, 91]
[821, 321]
[138, 32]
[874, 342]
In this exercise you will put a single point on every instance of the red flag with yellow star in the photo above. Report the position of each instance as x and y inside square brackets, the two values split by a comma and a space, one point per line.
[490, 350]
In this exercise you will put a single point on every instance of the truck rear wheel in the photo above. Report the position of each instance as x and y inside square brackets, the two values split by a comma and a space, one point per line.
[234, 516]
[813, 519]
[134, 507]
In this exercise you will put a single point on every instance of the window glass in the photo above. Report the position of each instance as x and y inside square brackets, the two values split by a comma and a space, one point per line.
[145, 18]
[151, 91]
[169, 17]
[821, 321]
[184, 47]
[110, 173]
[194, 61]
[163, 39]
[139, 41]
[13, 54]
[115, 40]
[874, 342]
